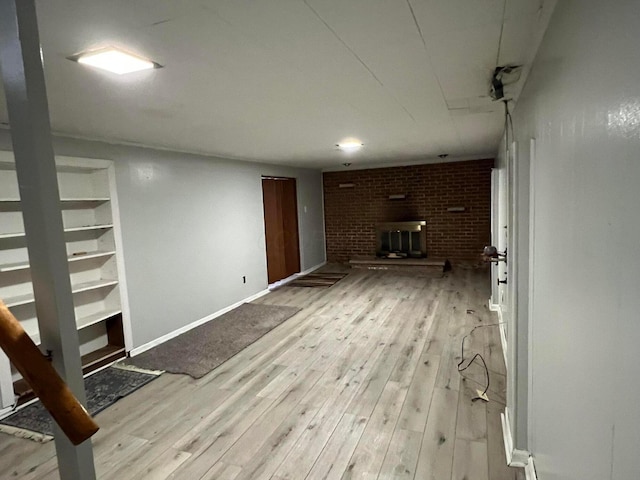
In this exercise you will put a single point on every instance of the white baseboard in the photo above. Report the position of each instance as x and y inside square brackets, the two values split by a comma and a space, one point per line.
[503, 340]
[530, 470]
[514, 457]
[197, 323]
[494, 307]
[5, 412]
[284, 281]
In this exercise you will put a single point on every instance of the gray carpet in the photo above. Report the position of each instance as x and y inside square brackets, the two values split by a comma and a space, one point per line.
[202, 349]
[103, 389]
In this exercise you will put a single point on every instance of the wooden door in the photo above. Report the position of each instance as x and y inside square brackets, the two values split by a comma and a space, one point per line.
[281, 227]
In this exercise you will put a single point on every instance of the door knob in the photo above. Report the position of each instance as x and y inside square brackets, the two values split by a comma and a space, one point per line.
[491, 254]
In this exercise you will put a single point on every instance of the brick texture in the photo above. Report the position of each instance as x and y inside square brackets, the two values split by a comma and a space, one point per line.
[351, 214]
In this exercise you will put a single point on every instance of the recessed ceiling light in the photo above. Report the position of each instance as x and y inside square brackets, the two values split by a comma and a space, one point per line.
[350, 145]
[114, 60]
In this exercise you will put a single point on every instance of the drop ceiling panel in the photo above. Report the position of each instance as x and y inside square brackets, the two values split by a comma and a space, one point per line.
[389, 45]
[444, 18]
[284, 80]
[464, 63]
[517, 34]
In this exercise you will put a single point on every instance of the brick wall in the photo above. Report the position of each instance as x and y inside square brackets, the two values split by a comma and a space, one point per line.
[351, 214]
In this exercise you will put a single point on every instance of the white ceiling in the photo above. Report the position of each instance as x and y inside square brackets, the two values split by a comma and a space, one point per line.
[284, 80]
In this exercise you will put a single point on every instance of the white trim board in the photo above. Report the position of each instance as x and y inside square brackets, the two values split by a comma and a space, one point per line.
[494, 307]
[197, 323]
[6, 411]
[284, 281]
[530, 470]
[503, 341]
[120, 263]
[514, 457]
[7, 398]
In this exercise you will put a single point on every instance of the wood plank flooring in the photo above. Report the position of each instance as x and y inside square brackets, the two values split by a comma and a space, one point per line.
[361, 384]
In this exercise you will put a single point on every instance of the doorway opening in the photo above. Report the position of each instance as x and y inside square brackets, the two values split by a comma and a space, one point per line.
[281, 227]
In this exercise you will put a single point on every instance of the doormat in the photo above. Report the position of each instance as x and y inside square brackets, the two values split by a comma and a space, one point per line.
[317, 280]
[103, 389]
[203, 348]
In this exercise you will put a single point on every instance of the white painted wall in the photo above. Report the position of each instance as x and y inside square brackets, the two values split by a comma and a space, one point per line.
[192, 227]
[582, 105]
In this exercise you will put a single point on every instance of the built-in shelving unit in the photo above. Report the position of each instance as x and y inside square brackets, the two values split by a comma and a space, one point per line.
[89, 211]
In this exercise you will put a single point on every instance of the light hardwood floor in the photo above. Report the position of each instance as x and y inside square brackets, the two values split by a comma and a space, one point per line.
[362, 383]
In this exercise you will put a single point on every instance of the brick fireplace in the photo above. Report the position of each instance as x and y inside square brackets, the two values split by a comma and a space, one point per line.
[454, 199]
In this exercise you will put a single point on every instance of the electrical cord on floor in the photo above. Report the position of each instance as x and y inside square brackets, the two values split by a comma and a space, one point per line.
[482, 396]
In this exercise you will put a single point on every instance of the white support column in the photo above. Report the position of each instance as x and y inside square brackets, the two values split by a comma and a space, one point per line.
[7, 398]
[23, 78]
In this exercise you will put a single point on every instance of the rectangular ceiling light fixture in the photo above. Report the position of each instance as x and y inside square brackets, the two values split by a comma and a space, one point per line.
[114, 60]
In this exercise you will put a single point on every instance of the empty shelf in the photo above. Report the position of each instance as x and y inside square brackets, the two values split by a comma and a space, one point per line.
[77, 288]
[12, 267]
[67, 230]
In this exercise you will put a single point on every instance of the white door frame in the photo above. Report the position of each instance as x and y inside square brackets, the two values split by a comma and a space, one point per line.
[529, 379]
[516, 316]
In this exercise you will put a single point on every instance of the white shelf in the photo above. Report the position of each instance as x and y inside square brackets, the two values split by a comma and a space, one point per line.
[106, 226]
[85, 322]
[86, 256]
[86, 286]
[19, 300]
[11, 235]
[65, 200]
[63, 163]
[85, 200]
[68, 203]
[77, 288]
[66, 230]
[13, 204]
[12, 267]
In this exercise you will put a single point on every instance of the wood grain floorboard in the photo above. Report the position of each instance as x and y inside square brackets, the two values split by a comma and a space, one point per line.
[362, 383]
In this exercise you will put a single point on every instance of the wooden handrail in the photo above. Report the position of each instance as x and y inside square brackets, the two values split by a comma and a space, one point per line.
[37, 370]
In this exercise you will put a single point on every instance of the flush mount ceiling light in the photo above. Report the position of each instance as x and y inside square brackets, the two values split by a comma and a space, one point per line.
[350, 145]
[114, 60]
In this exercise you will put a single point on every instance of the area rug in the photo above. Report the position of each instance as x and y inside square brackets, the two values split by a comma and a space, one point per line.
[103, 389]
[202, 349]
[317, 280]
